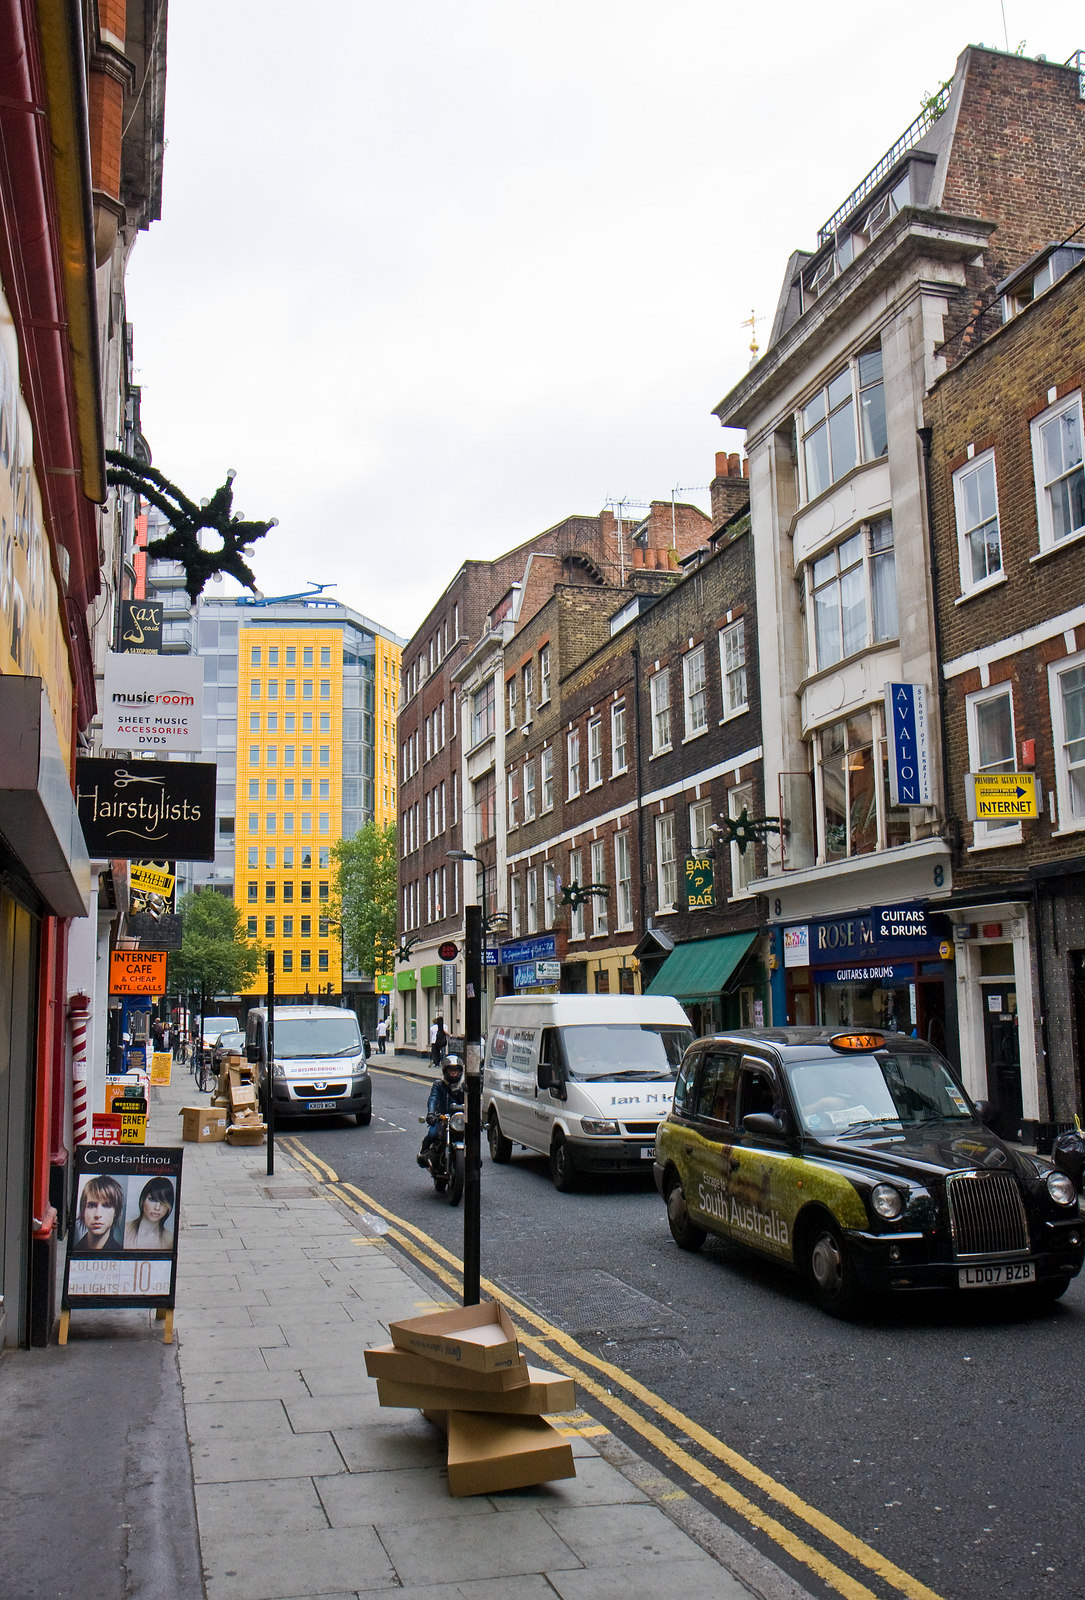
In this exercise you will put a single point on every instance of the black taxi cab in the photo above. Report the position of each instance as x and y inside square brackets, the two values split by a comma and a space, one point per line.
[857, 1158]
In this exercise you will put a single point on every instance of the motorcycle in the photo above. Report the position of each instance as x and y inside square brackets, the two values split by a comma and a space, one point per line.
[445, 1160]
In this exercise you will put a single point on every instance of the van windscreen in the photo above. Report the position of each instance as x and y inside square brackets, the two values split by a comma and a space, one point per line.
[300, 1037]
[624, 1050]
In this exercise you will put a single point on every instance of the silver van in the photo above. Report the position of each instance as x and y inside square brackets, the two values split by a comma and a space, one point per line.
[321, 1062]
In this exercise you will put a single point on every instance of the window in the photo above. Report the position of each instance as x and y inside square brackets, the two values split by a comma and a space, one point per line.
[251, 927]
[288, 960]
[273, 689]
[696, 712]
[529, 680]
[532, 900]
[733, 668]
[254, 722]
[975, 497]
[306, 961]
[288, 927]
[513, 796]
[269, 858]
[660, 692]
[324, 856]
[666, 862]
[623, 881]
[853, 776]
[576, 875]
[325, 722]
[325, 655]
[618, 751]
[595, 752]
[305, 927]
[514, 906]
[322, 960]
[572, 751]
[1060, 475]
[832, 433]
[1067, 683]
[290, 689]
[307, 655]
[306, 891]
[544, 674]
[482, 712]
[550, 893]
[325, 687]
[991, 748]
[740, 799]
[288, 893]
[485, 791]
[269, 927]
[254, 656]
[511, 703]
[546, 765]
[853, 593]
[598, 875]
[700, 818]
[252, 891]
[269, 894]
[529, 791]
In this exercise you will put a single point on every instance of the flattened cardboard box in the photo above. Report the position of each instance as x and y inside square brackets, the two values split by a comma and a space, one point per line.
[487, 1454]
[544, 1392]
[480, 1338]
[402, 1366]
[203, 1124]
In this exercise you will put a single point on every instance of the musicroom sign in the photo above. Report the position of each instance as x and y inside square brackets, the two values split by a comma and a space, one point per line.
[152, 702]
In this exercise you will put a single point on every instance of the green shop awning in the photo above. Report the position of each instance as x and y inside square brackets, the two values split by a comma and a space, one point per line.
[699, 970]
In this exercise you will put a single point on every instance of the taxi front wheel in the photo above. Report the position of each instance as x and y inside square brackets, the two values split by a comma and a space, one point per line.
[831, 1272]
[685, 1233]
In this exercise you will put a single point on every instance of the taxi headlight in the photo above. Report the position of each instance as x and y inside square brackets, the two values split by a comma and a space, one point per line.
[598, 1125]
[1061, 1189]
[887, 1202]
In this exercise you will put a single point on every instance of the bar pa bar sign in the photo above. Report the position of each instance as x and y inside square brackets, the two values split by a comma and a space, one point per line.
[909, 744]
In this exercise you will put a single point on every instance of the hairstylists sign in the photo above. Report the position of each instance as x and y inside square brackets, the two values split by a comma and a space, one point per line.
[147, 809]
[122, 1235]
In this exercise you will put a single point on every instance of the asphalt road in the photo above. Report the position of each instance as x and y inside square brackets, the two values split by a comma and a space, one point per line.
[944, 1435]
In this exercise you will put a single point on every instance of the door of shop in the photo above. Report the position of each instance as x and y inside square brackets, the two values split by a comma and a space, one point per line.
[1003, 1057]
[18, 981]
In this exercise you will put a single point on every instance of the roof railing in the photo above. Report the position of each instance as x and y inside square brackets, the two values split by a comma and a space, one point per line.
[932, 110]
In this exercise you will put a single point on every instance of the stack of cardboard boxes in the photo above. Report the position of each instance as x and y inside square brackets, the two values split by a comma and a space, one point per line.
[464, 1371]
[237, 1091]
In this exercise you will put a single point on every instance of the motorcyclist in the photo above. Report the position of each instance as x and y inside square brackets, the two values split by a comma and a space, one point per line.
[445, 1095]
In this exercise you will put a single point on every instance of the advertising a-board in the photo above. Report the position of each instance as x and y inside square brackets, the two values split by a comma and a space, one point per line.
[122, 1237]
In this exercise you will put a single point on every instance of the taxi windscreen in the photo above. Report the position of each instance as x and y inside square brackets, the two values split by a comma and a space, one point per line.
[896, 1088]
[624, 1050]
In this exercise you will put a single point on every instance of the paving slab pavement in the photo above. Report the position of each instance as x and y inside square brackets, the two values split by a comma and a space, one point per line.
[269, 1470]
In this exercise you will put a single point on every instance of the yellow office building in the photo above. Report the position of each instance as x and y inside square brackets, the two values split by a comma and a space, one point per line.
[317, 692]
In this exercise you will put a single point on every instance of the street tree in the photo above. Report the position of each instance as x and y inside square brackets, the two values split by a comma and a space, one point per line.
[215, 953]
[364, 898]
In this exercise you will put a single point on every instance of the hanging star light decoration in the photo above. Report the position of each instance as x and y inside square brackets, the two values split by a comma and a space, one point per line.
[187, 520]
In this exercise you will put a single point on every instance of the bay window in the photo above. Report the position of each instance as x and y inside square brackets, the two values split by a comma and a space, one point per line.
[844, 423]
[852, 592]
[856, 816]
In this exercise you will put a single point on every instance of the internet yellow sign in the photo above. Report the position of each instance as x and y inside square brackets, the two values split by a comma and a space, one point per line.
[1004, 796]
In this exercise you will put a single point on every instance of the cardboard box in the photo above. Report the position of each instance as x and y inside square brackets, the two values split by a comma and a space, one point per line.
[487, 1454]
[402, 1366]
[246, 1133]
[480, 1338]
[243, 1099]
[544, 1391]
[203, 1124]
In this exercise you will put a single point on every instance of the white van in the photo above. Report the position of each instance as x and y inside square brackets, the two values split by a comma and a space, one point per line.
[321, 1062]
[584, 1078]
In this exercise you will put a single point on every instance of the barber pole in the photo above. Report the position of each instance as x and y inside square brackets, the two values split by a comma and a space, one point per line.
[78, 1017]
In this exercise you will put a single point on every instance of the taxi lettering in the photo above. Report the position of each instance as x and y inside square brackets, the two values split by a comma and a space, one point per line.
[762, 1224]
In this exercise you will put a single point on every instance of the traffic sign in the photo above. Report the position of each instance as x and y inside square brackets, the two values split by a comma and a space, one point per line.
[449, 950]
[1002, 796]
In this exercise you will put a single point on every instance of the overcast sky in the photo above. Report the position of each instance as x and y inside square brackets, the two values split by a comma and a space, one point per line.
[434, 274]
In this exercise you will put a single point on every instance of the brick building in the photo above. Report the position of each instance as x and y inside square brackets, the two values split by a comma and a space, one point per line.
[1008, 521]
[867, 321]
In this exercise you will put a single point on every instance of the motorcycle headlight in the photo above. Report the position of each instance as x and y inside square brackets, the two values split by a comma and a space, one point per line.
[1061, 1189]
[457, 1122]
[886, 1202]
[599, 1125]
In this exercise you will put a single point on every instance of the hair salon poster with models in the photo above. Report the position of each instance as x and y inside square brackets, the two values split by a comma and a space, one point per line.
[122, 1238]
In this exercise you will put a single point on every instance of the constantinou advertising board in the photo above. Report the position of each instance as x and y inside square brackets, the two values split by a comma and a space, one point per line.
[122, 1235]
[152, 703]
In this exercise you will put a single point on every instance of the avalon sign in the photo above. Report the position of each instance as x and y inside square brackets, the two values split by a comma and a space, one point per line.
[143, 810]
[909, 744]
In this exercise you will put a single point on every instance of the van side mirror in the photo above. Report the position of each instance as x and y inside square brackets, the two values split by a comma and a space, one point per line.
[252, 1052]
[549, 1077]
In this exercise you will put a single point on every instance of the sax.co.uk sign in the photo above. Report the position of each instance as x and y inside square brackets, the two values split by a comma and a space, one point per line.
[152, 703]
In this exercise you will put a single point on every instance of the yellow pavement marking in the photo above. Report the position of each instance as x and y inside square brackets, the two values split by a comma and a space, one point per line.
[572, 1361]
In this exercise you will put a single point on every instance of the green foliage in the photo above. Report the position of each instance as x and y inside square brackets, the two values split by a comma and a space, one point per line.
[364, 898]
[932, 105]
[215, 952]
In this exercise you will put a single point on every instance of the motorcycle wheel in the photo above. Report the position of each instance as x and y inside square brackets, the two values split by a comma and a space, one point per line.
[455, 1183]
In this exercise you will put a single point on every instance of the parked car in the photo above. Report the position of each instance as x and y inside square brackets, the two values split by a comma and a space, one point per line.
[233, 1041]
[857, 1158]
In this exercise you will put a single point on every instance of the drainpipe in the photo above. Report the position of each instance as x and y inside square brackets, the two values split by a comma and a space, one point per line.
[635, 653]
[951, 823]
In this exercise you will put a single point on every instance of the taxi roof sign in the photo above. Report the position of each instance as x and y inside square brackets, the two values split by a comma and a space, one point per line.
[1001, 796]
[858, 1041]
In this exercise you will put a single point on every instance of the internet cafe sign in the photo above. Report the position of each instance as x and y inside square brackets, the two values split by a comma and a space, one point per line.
[147, 810]
[152, 702]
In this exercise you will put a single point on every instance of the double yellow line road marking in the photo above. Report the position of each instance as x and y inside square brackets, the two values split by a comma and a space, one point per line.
[668, 1430]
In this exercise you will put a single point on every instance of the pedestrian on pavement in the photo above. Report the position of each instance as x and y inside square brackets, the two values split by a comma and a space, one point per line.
[382, 1034]
[101, 1211]
[158, 1034]
[438, 1038]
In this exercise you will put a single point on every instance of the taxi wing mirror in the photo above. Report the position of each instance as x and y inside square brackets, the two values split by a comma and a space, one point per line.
[765, 1125]
[983, 1110]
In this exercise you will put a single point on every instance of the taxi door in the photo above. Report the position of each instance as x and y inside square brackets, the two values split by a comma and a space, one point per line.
[707, 1138]
[762, 1189]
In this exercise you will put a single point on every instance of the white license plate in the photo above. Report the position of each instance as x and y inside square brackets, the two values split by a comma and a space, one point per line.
[996, 1277]
[320, 1105]
[647, 1152]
